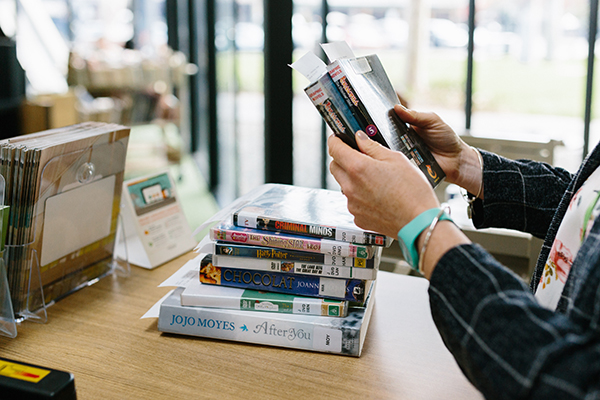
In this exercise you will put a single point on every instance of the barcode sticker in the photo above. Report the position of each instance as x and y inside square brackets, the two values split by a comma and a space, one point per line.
[327, 340]
[247, 220]
[308, 306]
[336, 260]
[349, 236]
[332, 287]
[335, 248]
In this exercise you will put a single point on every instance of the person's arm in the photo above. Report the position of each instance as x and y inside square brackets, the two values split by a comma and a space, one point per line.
[515, 194]
[459, 161]
[504, 341]
[506, 344]
[386, 191]
[520, 194]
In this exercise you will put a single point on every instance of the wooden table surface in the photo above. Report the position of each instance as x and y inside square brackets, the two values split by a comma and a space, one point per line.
[97, 334]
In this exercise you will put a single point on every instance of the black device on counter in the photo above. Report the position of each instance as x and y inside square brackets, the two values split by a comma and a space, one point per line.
[19, 380]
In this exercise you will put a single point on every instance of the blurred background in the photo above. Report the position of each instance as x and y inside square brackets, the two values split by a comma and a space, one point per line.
[211, 79]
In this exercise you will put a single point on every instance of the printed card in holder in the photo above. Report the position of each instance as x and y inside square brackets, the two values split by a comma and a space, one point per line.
[155, 227]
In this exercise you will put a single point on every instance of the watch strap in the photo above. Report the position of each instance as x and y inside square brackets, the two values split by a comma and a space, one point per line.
[411, 231]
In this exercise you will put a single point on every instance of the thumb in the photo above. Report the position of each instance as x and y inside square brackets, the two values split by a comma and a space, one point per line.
[370, 147]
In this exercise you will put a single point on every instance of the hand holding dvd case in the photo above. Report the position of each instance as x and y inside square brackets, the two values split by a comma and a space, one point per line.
[355, 93]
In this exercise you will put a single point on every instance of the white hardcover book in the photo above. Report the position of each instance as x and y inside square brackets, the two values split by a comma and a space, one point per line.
[344, 336]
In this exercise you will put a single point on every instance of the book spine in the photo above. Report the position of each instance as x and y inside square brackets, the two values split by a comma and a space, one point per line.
[238, 250]
[302, 285]
[319, 231]
[259, 328]
[295, 267]
[358, 109]
[254, 300]
[335, 107]
[415, 149]
[324, 246]
[340, 103]
[321, 99]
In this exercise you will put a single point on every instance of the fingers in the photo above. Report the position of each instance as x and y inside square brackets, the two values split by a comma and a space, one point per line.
[370, 147]
[340, 175]
[337, 148]
[412, 117]
[405, 114]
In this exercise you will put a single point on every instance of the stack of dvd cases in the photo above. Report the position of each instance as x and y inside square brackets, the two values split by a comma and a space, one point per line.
[288, 267]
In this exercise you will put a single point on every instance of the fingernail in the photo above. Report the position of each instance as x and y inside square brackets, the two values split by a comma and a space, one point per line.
[361, 135]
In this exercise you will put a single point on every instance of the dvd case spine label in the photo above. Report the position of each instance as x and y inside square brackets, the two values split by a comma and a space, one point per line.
[352, 100]
[253, 221]
[297, 305]
[211, 296]
[325, 246]
[304, 285]
[320, 98]
[334, 272]
[237, 250]
[296, 267]
[325, 232]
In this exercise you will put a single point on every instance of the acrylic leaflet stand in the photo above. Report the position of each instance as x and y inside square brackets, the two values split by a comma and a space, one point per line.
[72, 236]
[8, 326]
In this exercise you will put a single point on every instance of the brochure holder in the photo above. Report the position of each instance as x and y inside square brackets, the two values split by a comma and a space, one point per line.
[7, 316]
[70, 240]
[8, 326]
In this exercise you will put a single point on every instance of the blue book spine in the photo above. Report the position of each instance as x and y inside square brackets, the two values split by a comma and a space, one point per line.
[335, 112]
[338, 100]
[305, 285]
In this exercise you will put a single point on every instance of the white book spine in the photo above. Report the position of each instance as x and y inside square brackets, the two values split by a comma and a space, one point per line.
[315, 333]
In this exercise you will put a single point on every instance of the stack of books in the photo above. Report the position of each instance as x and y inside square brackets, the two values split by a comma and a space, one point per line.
[289, 268]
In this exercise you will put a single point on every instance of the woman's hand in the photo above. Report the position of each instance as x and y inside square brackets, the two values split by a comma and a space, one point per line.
[459, 161]
[385, 190]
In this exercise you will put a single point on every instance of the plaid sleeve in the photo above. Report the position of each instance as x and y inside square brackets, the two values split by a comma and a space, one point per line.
[519, 194]
[506, 344]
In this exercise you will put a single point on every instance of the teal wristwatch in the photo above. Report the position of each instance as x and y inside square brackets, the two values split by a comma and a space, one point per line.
[410, 232]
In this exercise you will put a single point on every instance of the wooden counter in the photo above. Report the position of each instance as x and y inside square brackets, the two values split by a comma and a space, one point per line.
[97, 334]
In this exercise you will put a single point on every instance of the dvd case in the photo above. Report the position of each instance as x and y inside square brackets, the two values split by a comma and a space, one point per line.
[197, 294]
[302, 285]
[294, 267]
[370, 97]
[271, 253]
[297, 210]
[234, 234]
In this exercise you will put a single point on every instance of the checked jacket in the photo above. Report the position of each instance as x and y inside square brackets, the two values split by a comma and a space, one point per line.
[506, 344]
